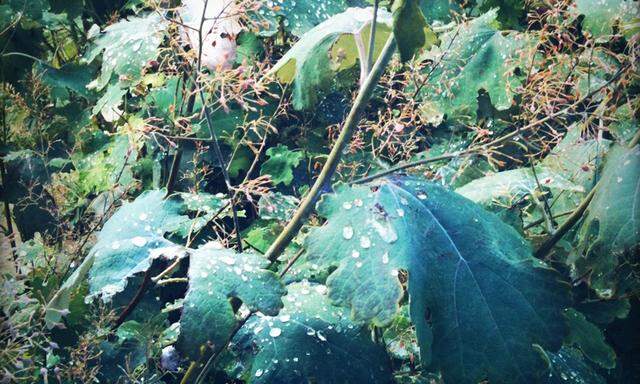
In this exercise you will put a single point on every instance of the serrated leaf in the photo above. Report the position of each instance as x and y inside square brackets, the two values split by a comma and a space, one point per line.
[589, 339]
[473, 57]
[128, 46]
[310, 341]
[280, 164]
[312, 63]
[611, 228]
[215, 276]
[471, 278]
[130, 240]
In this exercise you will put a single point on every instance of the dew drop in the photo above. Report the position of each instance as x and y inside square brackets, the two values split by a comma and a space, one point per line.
[365, 242]
[139, 241]
[347, 232]
[385, 258]
[259, 372]
[285, 318]
[321, 336]
[275, 332]
[355, 254]
[346, 205]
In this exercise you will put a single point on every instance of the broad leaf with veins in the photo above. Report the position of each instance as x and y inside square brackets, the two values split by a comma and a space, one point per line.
[478, 298]
[127, 244]
[310, 341]
[215, 276]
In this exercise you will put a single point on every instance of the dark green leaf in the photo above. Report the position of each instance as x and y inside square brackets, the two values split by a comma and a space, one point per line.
[589, 339]
[310, 341]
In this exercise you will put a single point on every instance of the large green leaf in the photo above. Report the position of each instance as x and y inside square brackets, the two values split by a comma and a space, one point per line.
[565, 175]
[478, 298]
[131, 239]
[310, 341]
[299, 15]
[600, 16]
[611, 227]
[511, 13]
[215, 276]
[127, 244]
[332, 46]
[589, 339]
[475, 56]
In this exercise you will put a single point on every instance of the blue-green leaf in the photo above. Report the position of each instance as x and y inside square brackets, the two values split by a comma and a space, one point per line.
[478, 298]
[310, 341]
[215, 276]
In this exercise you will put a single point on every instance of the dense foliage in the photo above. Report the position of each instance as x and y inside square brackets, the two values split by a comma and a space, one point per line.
[302, 191]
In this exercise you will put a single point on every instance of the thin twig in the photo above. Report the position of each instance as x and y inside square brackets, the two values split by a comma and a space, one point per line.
[134, 302]
[484, 147]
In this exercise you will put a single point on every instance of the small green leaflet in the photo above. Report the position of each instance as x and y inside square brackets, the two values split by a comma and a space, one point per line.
[589, 339]
[472, 280]
[410, 28]
[310, 341]
[215, 276]
[280, 164]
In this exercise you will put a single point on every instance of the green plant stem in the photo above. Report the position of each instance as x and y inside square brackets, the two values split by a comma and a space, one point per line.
[372, 36]
[307, 205]
[544, 249]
